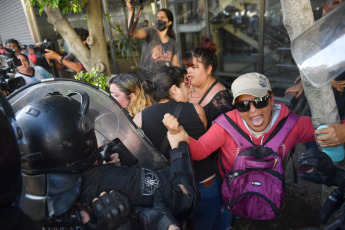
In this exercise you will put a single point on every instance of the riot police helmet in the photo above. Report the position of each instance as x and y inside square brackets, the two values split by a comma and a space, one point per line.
[59, 134]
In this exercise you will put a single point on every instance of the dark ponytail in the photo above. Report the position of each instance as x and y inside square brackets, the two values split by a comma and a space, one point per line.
[163, 80]
[170, 17]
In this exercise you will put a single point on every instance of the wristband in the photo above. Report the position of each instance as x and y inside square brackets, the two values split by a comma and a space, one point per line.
[62, 57]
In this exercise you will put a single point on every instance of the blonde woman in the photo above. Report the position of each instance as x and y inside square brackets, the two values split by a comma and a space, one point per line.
[126, 88]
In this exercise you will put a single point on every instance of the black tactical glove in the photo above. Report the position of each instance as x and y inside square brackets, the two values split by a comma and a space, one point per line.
[116, 146]
[158, 217]
[337, 220]
[322, 162]
[111, 211]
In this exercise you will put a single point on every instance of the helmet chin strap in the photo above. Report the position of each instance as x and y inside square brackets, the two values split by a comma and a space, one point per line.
[47, 196]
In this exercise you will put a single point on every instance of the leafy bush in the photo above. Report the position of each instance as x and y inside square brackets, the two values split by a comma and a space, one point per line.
[95, 77]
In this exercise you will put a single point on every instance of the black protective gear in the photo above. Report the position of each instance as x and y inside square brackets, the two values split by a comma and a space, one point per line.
[157, 217]
[10, 135]
[70, 219]
[60, 144]
[181, 172]
[333, 202]
[337, 220]
[112, 210]
[49, 195]
[59, 133]
[140, 184]
[116, 146]
[12, 218]
[326, 170]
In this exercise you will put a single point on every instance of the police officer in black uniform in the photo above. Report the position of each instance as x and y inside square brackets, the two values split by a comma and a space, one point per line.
[58, 171]
[11, 217]
[324, 172]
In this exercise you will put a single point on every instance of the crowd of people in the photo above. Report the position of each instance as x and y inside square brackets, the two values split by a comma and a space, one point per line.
[184, 112]
[40, 61]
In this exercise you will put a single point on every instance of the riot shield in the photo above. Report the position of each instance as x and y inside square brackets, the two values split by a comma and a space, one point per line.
[319, 51]
[111, 121]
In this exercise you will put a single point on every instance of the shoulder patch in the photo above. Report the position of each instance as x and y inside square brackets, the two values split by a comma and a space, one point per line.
[149, 182]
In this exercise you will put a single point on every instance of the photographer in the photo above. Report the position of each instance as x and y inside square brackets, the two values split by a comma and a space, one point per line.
[30, 74]
[13, 44]
[69, 61]
[8, 66]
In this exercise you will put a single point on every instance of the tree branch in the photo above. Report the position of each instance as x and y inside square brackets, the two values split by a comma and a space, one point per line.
[64, 28]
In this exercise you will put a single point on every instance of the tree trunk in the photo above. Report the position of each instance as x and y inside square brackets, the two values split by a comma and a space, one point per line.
[297, 17]
[64, 28]
[96, 39]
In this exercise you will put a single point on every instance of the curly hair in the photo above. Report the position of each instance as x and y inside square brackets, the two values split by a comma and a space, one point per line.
[130, 83]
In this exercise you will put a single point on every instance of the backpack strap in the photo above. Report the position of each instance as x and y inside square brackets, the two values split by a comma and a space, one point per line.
[242, 140]
[294, 171]
[278, 135]
[209, 89]
[176, 114]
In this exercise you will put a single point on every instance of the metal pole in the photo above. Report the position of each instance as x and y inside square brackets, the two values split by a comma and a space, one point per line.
[110, 35]
[261, 37]
[31, 18]
[207, 19]
[163, 4]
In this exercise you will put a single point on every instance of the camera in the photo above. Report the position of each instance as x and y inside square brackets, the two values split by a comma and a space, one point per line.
[9, 84]
[137, 2]
[46, 44]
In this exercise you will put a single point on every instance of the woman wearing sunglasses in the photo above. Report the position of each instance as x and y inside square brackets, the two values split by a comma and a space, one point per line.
[256, 114]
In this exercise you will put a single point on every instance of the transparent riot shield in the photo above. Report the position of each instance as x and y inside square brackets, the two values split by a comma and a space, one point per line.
[111, 122]
[319, 52]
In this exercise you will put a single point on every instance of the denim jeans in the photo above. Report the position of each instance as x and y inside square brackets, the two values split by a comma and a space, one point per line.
[211, 213]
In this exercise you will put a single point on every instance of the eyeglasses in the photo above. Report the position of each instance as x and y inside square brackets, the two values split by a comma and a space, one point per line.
[259, 103]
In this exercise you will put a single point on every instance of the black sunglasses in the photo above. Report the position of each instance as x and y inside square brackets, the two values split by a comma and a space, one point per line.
[259, 103]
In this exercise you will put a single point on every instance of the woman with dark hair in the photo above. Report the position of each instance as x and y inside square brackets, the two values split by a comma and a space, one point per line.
[201, 65]
[127, 89]
[214, 97]
[159, 44]
[30, 74]
[169, 88]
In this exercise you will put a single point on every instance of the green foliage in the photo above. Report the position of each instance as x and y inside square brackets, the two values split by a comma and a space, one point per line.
[66, 6]
[95, 77]
[125, 44]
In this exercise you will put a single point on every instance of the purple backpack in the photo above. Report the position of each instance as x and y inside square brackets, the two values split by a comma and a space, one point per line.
[255, 187]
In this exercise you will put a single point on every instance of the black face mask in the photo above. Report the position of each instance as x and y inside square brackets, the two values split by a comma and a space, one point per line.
[161, 25]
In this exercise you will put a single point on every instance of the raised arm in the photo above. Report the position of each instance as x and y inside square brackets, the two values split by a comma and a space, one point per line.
[138, 33]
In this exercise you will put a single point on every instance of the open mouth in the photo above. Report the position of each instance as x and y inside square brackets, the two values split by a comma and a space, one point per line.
[257, 121]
